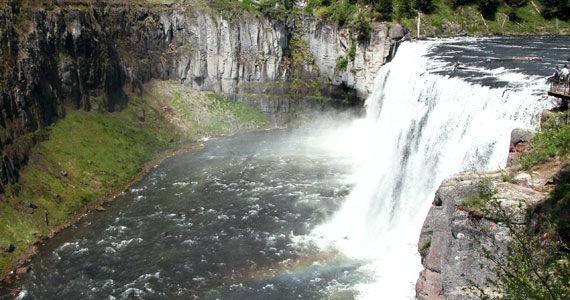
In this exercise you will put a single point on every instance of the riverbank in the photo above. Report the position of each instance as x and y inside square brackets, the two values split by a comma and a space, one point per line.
[88, 158]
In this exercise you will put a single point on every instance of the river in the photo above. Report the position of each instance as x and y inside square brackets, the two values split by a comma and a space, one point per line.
[332, 210]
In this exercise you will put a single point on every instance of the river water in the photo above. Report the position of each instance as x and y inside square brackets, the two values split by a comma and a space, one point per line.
[329, 211]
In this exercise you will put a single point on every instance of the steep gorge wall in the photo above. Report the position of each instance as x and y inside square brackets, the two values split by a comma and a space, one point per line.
[91, 55]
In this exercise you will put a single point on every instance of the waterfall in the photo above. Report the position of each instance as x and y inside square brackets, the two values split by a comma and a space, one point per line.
[422, 125]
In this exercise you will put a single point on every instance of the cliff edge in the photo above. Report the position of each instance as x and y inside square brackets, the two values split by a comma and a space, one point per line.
[468, 214]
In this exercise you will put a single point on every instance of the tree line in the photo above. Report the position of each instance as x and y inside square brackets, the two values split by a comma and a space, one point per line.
[386, 10]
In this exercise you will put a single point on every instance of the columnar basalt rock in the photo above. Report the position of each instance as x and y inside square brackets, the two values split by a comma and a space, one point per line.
[91, 55]
[455, 234]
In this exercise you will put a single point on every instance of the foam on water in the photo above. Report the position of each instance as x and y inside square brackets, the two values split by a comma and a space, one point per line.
[420, 128]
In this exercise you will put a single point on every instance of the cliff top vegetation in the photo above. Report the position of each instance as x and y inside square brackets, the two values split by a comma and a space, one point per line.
[438, 17]
[451, 17]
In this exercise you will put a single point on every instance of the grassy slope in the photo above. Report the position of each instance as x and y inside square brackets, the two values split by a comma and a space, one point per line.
[101, 152]
[448, 20]
[471, 22]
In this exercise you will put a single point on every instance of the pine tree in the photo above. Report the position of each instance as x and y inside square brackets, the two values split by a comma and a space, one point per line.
[488, 8]
[405, 9]
[425, 6]
[556, 9]
[385, 8]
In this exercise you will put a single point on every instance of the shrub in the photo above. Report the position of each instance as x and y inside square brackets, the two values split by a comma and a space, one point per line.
[507, 177]
[342, 63]
[405, 9]
[547, 144]
[526, 267]
[425, 6]
[384, 7]
[352, 51]
[363, 28]
[475, 203]
[556, 9]
[516, 3]
[424, 246]
[488, 8]
[340, 12]
[555, 210]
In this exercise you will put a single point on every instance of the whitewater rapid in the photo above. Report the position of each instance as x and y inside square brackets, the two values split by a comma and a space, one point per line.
[422, 125]
[331, 210]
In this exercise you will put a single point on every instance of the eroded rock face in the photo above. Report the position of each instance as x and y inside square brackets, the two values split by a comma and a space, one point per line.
[327, 42]
[520, 138]
[89, 55]
[456, 235]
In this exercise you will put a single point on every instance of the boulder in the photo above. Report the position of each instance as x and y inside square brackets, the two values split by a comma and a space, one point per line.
[519, 136]
[396, 32]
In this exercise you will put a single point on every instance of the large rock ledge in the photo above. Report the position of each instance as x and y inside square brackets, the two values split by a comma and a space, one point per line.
[454, 234]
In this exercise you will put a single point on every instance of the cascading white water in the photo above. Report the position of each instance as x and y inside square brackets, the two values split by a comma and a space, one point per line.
[420, 128]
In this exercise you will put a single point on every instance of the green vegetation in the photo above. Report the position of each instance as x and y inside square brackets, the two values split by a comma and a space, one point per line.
[530, 266]
[535, 262]
[555, 9]
[363, 27]
[87, 156]
[199, 114]
[424, 246]
[301, 60]
[555, 210]
[475, 202]
[352, 51]
[340, 12]
[508, 177]
[438, 17]
[441, 17]
[553, 140]
[342, 63]
[90, 156]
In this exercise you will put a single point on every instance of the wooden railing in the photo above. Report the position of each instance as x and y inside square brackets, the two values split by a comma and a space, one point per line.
[561, 87]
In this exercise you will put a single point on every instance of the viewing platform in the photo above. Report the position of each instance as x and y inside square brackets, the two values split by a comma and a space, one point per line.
[561, 90]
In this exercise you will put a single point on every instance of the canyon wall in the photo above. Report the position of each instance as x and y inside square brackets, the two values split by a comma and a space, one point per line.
[92, 55]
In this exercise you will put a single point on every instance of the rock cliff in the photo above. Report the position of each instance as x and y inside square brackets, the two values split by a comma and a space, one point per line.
[453, 232]
[464, 218]
[90, 55]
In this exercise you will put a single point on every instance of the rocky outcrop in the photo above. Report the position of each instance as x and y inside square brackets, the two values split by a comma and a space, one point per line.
[91, 55]
[454, 233]
[519, 141]
[328, 42]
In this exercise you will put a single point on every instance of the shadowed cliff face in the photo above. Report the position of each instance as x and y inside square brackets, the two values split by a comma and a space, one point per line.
[88, 56]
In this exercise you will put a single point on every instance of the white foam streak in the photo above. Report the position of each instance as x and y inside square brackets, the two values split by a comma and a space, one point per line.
[420, 128]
